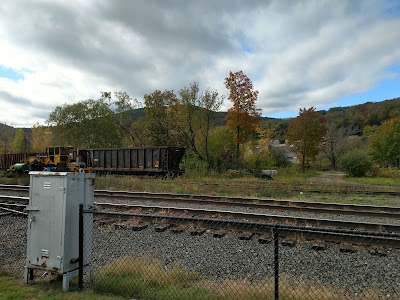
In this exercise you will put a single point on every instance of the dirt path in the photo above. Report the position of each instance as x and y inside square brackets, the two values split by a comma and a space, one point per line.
[332, 178]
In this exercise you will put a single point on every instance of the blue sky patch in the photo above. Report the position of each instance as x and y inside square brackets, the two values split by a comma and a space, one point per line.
[392, 9]
[246, 47]
[384, 90]
[10, 73]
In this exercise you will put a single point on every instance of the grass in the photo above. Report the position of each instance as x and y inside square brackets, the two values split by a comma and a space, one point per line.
[143, 278]
[384, 181]
[14, 179]
[15, 289]
[247, 186]
[281, 187]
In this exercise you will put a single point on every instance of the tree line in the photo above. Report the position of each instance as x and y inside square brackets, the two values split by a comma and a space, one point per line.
[188, 118]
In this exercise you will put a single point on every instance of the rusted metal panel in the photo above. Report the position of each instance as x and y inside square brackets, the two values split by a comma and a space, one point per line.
[9, 159]
[150, 160]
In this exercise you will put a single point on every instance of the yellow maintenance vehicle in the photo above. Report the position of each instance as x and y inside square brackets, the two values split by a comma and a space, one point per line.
[55, 159]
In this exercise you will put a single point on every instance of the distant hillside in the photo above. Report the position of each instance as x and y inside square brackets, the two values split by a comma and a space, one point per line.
[219, 118]
[367, 114]
[356, 116]
[5, 127]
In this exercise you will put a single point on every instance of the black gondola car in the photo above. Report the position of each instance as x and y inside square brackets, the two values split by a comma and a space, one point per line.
[153, 161]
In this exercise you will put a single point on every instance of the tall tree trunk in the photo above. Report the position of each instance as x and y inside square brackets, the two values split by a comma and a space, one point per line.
[237, 144]
[207, 153]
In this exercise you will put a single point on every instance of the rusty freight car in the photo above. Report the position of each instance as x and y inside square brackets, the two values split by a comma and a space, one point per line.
[10, 159]
[152, 161]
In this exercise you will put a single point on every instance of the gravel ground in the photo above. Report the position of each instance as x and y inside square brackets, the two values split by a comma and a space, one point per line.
[237, 259]
[229, 257]
[12, 244]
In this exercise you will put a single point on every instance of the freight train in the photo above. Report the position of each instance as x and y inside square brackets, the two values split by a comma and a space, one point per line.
[154, 161]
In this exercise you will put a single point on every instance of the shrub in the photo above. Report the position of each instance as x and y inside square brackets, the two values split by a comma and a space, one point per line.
[356, 163]
[388, 172]
[279, 157]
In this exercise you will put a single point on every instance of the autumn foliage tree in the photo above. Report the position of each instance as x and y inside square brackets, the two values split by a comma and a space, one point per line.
[243, 117]
[306, 133]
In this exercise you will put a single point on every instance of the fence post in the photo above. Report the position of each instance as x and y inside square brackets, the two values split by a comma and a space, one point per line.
[80, 275]
[276, 261]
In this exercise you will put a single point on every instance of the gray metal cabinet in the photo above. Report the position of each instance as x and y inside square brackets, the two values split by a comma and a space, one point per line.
[53, 220]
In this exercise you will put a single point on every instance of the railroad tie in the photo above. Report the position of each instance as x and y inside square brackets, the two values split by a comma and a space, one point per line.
[162, 228]
[348, 247]
[318, 245]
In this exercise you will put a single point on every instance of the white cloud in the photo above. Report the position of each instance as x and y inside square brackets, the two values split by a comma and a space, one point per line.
[298, 54]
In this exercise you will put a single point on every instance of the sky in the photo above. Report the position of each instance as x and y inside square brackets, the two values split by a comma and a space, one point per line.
[298, 54]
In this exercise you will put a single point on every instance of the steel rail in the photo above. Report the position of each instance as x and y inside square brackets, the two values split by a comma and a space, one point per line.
[274, 204]
[14, 187]
[302, 188]
[252, 216]
[277, 219]
[302, 206]
[264, 229]
[13, 211]
[13, 198]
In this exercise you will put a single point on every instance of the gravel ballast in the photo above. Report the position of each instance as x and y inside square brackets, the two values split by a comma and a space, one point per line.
[230, 258]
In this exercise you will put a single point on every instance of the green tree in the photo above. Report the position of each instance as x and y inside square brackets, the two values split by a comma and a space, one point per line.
[121, 105]
[221, 148]
[197, 112]
[210, 102]
[385, 142]
[306, 133]
[20, 142]
[161, 117]
[88, 123]
[41, 138]
[7, 134]
[243, 117]
[188, 113]
[141, 133]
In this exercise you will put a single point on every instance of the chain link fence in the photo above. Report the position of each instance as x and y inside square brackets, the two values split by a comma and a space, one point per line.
[149, 257]
[163, 258]
[12, 244]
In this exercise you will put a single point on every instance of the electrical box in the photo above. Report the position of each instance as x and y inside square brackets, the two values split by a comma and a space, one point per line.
[53, 222]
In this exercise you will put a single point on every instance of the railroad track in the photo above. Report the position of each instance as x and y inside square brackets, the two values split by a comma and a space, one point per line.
[243, 216]
[352, 239]
[220, 221]
[288, 187]
[20, 202]
[269, 204]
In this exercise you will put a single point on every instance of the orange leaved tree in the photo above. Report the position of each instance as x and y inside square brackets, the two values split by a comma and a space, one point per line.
[243, 117]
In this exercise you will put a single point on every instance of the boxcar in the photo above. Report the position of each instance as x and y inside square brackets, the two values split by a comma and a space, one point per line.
[154, 161]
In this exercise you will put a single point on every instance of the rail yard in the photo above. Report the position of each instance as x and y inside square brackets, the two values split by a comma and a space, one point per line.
[223, 237]
[180, 209]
